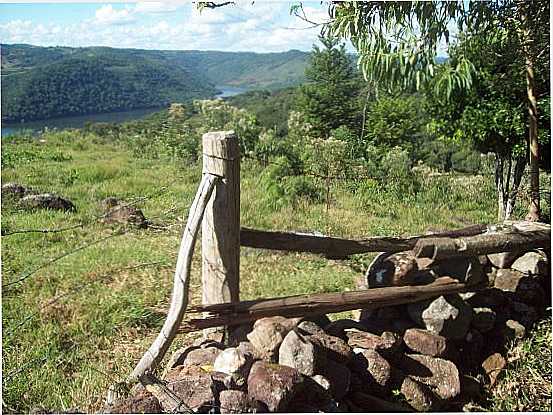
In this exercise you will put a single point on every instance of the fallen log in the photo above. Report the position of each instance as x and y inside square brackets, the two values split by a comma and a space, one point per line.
[316, 304]
[488, 243]
[340, 248]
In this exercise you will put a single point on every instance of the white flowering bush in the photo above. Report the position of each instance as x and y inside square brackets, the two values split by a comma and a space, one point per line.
[219, 115]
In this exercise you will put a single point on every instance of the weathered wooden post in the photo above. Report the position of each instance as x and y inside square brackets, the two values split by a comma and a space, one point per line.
[221, 223]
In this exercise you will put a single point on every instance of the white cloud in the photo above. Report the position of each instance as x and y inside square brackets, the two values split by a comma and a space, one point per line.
[157, 6]
[260, 27]
[16, 27]
[107, 15]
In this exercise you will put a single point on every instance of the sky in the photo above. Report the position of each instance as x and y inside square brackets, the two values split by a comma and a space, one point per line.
[264, 26]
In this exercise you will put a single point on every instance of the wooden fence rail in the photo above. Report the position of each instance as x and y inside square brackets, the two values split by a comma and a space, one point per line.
[316, 304]
[339, 248]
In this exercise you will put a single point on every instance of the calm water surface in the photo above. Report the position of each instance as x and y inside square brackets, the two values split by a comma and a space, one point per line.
[79, 121]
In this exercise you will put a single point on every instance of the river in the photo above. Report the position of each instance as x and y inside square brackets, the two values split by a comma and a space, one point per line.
[78, 121]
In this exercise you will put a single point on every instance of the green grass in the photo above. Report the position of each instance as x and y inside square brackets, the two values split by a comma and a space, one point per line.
[79, 324]
[525, 385]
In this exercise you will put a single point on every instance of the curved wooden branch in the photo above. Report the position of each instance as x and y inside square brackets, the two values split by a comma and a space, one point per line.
[179, 299]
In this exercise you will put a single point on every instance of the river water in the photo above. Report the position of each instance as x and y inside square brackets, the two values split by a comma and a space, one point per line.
[79, 121]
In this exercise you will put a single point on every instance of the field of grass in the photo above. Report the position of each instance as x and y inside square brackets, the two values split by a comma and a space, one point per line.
[76, 325]
[526, 383]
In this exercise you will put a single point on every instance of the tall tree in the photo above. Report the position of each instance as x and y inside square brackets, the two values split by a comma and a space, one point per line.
[328, 99]
[397, 44]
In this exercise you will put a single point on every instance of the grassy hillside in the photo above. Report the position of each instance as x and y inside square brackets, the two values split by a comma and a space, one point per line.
[92, 298]
[78, 324]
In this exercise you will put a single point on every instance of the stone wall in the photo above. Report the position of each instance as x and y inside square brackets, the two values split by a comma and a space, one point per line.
[434, 355]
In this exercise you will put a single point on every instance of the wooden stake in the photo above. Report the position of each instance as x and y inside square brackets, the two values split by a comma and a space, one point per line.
[179, 298]
[221, 224]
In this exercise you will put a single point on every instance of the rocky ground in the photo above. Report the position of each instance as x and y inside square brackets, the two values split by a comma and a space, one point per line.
[436, 355]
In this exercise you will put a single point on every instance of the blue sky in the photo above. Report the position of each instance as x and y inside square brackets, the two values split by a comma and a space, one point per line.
[265, 26]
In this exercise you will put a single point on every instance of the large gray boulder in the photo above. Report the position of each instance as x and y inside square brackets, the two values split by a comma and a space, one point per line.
[425, 342]
[237, 402]
[418, 396]
[493, 365]
[233, 362]
[374, 368]
[440, 375]
[334, 347]
[194, 386]
[116, 211]
[392, 270]
[143, 402]
[386, 344]
[525, 288]
[266, 337]
[503, 259]
[14, 191]
[193, 356]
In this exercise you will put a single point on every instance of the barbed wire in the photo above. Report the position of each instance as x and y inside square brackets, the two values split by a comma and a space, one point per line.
[78, 288]
[45, 264]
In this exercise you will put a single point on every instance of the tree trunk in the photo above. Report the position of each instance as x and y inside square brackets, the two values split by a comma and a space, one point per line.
[526, 41]
[507, 183]
[534, 209]
[500, 186]
[516, 175]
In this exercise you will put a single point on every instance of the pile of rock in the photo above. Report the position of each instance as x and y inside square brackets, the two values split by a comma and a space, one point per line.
[26, 198]
[118, 212]
[434, 355]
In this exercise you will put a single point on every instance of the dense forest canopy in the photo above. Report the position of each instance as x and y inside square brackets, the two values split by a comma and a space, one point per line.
[46, 82]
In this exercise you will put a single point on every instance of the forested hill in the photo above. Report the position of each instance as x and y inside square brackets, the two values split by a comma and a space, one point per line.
[250, 70]
[47, 82]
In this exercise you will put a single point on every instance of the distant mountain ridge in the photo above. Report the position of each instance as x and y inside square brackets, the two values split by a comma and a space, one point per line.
[46, 82]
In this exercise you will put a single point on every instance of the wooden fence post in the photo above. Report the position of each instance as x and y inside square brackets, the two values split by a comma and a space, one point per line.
[221, 223]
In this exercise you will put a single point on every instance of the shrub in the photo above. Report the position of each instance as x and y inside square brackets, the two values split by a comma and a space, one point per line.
[271, 146]
[283, 187]
[392, 169]
[218, 115]
[174, 139]
[12, 156]
[466, 161]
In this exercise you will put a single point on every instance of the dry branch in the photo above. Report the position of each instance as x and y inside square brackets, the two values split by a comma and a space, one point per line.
[314, 304]
[338, 248]
[179, 298]
[488, 243]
